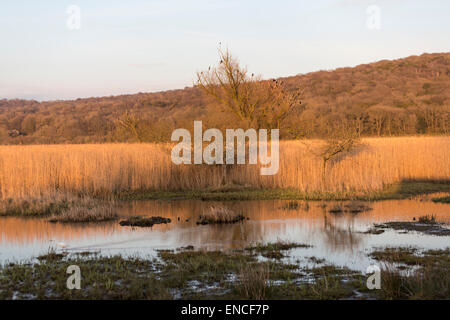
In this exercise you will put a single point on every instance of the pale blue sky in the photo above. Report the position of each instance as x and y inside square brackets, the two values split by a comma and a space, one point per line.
[141, 46]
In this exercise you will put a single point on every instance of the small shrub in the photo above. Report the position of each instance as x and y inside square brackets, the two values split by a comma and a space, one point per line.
[427, 219]
[254, 282]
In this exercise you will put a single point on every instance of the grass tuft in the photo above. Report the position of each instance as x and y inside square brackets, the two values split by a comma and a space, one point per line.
[218, 214]
[253, 283]
[442, 199]
[87, 210]
[427, 219]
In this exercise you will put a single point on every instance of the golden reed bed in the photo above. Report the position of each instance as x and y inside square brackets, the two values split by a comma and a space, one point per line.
[105, 168]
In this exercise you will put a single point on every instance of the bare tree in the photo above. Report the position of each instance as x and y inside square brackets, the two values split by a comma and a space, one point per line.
[338, 144]
[258, 103]
[129, 123]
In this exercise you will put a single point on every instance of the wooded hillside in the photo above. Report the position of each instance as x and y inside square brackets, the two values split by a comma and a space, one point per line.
[386, 98]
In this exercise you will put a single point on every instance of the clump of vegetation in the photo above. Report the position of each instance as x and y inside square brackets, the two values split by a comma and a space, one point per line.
[374, 231]
[86, 253]
[412, 256]
[438, 252]
[316, 260]
[253, 283]
[189, 247]
[208, 267]
[217, 214]
[352, 207]
[400, 255]
[426, 224]
[291, 205]
[431, 279]
[295, 205]
[87, 210]
[442, 199]
[328, 287]
[60, 208]
[35, 206]
[330, 270]
[356, 207]
[52, 255]
[336, 209]
[140, 221]
[429, 282]
[427, 219]
[274, 250]
[279, 245]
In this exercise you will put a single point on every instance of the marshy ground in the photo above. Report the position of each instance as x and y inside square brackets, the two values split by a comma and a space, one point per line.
[186, 273]
[178, 274]
[324, 253]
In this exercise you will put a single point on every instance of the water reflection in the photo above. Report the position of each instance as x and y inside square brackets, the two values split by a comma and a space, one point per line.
[335, 237]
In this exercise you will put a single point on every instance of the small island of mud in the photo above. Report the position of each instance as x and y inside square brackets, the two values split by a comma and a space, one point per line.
[425, 224]
[139, 221]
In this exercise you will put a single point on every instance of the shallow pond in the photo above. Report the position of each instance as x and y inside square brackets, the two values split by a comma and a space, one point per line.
[338, 238]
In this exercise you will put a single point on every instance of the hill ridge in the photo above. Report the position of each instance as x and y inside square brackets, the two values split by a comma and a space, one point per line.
[388, 97]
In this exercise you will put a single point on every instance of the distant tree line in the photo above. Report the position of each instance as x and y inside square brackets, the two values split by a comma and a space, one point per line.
[388, 98]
